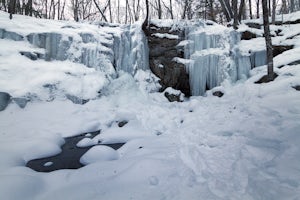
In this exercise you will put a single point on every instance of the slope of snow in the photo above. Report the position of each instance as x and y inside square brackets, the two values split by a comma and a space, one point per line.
[244, 145]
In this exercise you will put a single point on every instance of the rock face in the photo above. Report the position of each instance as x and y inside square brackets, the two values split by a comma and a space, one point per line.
[5, 99]
[279, 49]
[162, 42]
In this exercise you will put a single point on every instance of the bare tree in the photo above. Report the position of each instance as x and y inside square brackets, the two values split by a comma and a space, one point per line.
[268, 40]
[227, 10]
[250, 9]
[235, 13]
[146, 21]
[257, 9]
[273, 11]
[100, 11]
[159, 10]
[12, 8]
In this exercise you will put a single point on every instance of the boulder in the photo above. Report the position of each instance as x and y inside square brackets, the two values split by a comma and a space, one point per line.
[173, 95]
[247, 35]
[5, 99]
[218, 93]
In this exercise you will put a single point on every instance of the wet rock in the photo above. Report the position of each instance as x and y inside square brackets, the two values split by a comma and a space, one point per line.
[5, 99]
[218, 93]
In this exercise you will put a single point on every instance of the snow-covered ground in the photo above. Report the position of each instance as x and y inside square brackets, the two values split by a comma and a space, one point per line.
[245, 145]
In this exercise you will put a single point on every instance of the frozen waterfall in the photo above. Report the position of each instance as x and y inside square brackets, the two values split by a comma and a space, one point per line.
[108, 49]
[214, 56]
[131, 49]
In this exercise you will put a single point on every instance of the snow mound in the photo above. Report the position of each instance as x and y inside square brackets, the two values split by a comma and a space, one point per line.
[99, 153]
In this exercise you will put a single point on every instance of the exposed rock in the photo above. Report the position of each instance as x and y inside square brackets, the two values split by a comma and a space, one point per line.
[293, 36]
[297, 62]
[32, 55]
[254, 25]
[162, 51]
[218, 93]
[278, 32]
[76, 100]
[265, 79]
[21, 102]
[297, 87]
[247, 35]
[297, 21]
[122, 123]
[173, 95]
[5, 99]
[279, 49]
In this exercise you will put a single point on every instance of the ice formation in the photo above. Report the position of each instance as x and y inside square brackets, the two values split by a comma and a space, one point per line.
[123, 48]
[215, 56]
[131, 49]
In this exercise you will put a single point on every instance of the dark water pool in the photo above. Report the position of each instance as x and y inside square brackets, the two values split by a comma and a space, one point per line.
[69, 157]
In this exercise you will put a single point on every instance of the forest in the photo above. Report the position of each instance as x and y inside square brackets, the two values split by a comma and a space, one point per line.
[130, 11]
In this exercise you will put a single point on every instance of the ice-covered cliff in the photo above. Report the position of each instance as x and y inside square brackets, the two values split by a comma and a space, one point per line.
[208, 53]
[77, 60]
[189, 56]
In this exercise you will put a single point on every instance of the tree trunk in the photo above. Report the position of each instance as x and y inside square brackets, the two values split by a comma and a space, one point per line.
[211, 11]
[171, 10]
[225, 10]
[118, 14]
[250, 9]
[241, 10]
[76, 17]
[159, 11]
[292, 7]
[126, 6]
[257, 9]
[102, 14]
[273, 11]
[146, 21]
[109, 8]
[12, 8]
[268, 40]
[235, 14]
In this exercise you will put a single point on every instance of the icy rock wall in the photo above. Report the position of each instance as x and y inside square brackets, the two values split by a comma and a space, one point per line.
[214, 56]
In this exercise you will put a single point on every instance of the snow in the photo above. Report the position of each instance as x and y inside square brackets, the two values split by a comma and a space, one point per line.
[99, 153]
[244, 145]
[166, 35]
